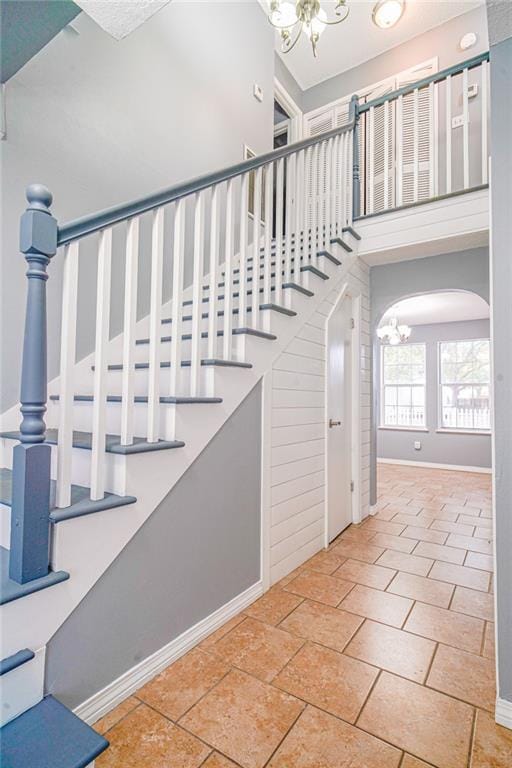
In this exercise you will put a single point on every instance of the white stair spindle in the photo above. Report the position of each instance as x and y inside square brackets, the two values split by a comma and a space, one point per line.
[67, 367]
[300, 212]
[342, 191]
[448, 134]
[155, 326]
[335, 180]
[416, 146]
[371, 160]
[279, 231]
[386, 155]
[291, 204]
[435, 122]
[267, 258]
[316, 203]
[197, 296]
[177, 294]
[228, 273]
[348, 175]
[130, 320]
[255, 305]
[400, 152]
[484, 118]
[214, 274]
[242, 274]
[465, 127]
[431, 141]
[101, 365]
[327, 196]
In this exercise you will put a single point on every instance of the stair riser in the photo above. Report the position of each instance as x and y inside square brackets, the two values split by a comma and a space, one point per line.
[22, 688]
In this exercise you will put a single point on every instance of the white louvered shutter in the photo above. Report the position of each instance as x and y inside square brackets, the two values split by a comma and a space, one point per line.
[316, 187]
[425, 136]
[379, 194]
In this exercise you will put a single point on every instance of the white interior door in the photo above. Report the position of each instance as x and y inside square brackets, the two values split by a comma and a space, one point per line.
[339, 377]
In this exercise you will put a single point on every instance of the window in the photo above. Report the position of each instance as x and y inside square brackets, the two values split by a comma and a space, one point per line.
[403, 386]
[465, 384]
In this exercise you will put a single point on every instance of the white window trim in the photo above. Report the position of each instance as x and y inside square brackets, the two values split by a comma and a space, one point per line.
[458, 430]
[399, 427]
[282, 96]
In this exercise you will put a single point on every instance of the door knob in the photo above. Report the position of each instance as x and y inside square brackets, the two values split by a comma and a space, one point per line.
[334, 423]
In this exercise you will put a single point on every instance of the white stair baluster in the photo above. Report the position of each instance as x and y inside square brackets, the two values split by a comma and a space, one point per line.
[130, 320]
[349, 164]
[431, 139]
[197, 296]
[326, 235]
[290, 205]
[255, 307]
[228, 273]
[416, 146]
[316, 203]
[177, 295]
[67, 368]
[333, 192]
[386, 155]
[300, 213]
[484, 118]
[242, 273]
[342, 188]
[101, 365]
[399, 152]
[279, 231]
[465, 127]
[267, 257]
[371, 160]
[155, 326]
[448, 134]
[213, 306]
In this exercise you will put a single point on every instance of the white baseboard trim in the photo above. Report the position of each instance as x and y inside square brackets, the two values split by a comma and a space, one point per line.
[503, 714]
[102, 702]
[432, 465]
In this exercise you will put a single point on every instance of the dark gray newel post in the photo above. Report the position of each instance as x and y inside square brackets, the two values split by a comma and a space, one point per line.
[30, 526]
[356, 188]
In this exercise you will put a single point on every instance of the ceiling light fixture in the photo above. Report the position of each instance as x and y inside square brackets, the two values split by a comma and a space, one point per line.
[303, 16]
[393, 333]
[386, 13]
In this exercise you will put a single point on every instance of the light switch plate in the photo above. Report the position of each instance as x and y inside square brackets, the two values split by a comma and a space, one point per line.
[457, 121]
[417, 445]
[257, 92]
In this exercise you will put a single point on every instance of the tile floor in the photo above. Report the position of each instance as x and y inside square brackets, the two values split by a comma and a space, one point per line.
[376, 653]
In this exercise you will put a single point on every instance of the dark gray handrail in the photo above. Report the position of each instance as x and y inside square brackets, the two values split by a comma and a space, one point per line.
[87, 225]
[437, 77]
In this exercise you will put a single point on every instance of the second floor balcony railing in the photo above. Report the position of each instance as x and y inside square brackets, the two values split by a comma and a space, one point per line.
[426, 139]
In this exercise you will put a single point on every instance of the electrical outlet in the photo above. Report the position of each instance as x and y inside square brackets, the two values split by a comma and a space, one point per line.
[457, 121]
[472, 91]
[417, 445]
[257, 92]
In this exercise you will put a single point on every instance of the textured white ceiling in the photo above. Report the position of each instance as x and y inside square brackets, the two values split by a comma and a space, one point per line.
[358, 39]
[445, 307]
[120, 17]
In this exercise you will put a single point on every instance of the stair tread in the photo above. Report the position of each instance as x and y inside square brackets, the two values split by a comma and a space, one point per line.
[340, 241]
[178, 400]
[352, 231]
[315, 271]
[112, 442]
[49, 734]
[220, 312]
[185, 364]
[249, 292]
[204, 335]
[10, 590]
[81, 502]
[16, 660]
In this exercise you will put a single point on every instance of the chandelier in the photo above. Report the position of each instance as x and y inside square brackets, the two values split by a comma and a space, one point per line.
[393, 333]
[303, 16]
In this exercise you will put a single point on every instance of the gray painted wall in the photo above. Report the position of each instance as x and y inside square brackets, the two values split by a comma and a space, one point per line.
[436, 447]
[501, 278]
[288, 81]
[101, 121]
[441, 41]
[462, 270]
[199, 549]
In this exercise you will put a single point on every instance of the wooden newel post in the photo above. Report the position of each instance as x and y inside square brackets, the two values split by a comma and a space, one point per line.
[29, 551]
[356, 187]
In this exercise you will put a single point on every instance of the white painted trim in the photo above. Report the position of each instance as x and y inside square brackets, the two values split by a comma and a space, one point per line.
[22, 688]
[113, 694]
[266, 476]
[503, 714]
[433, 465]
[296, 115]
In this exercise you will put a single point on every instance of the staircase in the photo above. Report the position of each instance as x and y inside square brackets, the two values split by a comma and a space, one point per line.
[122, 425]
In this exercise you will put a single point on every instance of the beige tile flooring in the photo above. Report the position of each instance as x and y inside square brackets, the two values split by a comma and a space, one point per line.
[376, 653]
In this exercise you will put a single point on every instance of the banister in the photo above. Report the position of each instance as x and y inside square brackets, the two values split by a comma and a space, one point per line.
[437, 77]
[87, 225]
